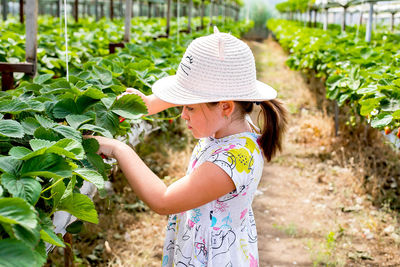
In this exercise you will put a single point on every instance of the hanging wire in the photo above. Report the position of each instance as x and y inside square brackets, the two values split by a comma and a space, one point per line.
[60, 15]
[66, 38]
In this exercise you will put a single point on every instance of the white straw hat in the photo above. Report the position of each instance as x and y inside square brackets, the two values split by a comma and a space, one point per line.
[214, 68]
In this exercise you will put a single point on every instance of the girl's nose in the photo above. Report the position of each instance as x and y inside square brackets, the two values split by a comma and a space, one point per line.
[184, 114]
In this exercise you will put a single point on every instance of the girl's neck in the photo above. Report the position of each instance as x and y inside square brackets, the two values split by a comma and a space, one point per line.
[234, 127]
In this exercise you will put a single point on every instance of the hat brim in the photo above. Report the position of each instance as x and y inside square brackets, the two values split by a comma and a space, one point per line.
[168, 90]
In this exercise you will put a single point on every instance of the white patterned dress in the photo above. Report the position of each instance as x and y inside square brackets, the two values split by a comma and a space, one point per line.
[221, 233]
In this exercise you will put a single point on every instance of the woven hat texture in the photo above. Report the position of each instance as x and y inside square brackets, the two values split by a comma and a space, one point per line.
[214, 68]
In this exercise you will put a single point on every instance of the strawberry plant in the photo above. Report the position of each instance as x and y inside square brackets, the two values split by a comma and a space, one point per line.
[362, 75]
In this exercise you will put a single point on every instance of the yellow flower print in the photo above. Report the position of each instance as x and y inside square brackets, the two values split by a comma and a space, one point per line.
[250, 145]
[244, 161]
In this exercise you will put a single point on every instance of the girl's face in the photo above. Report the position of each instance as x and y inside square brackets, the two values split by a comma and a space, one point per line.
[204, 120]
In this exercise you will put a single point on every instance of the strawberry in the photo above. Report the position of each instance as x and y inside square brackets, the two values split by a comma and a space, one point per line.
[121, 119]
[398, 133]
[170, 121]
[387, 130]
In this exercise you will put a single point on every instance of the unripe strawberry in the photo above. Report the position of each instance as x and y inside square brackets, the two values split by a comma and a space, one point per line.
[387, 130]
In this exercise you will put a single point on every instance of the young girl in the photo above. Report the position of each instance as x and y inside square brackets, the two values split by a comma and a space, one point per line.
[211, 221]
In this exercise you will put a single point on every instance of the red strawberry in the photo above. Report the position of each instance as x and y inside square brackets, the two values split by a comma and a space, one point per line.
[121, 119]
[170, 121]
[387, 130]
[102, 155]
[398, 133]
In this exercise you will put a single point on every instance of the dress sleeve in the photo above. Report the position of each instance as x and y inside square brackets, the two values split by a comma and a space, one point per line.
[236, 161]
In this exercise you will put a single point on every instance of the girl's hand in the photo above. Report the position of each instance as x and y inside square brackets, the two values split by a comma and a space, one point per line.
[107, 145]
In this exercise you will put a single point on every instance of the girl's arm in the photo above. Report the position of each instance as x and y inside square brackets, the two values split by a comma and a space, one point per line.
[153, 103]
[206, 183]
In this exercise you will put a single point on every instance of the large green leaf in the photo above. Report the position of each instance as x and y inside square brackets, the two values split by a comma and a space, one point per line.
[15, 253]
[77, 120]
[17, 211]
[381, 121]
[11, 128]
[9, 164]
[129, 106]
[94, 93]
[47, 165]
[103, 74]
[80, 206]
[48, 235]
[25, 188]
[30, 236]
[68, 132]
[30, 125]
[64, 108]
[57, 191]
[45, 122]
[42, 78]
[368, 105]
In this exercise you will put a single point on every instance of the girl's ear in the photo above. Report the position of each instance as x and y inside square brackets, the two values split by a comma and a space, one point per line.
[227, 107]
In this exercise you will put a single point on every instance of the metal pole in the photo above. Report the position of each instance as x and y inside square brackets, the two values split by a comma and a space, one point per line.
[326, 19]
[31, 32]
[96, 9]
[21, 11]
[128, 17]
[344, 19]
[5, 9]
[111, 9]
[76, 10]
[168, 17]
[190, 16]
[368, 32]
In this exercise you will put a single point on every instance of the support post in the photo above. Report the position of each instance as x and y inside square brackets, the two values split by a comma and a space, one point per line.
[4, 3]
[168, 17]
[76, 9]
[326, 19]
[368, 32]
[392, 22]
[21, 11]
[202, 13]
[31, 32]
[189, 29]
[58, 6]
[149, 7]
[211, 12]
[128, 17]
[344, 19]
[96, 9]
[111, 9]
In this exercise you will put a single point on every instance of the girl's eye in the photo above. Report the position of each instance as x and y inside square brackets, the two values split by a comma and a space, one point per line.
[189, 108]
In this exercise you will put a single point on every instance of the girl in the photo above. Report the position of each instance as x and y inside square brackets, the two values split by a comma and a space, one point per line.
[211, 221]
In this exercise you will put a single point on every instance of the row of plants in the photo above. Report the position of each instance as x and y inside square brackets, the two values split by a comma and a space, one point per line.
[44, 158]
[364, 76]
[86, 39]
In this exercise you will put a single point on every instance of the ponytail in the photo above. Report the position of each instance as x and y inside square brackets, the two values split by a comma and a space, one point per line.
[273, 125]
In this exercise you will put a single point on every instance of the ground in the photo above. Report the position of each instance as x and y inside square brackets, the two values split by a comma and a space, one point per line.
[312, 208]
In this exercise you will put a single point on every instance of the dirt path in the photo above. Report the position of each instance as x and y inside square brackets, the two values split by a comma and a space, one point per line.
[308, 211]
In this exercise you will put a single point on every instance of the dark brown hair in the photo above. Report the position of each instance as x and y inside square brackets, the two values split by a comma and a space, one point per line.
[272, 121]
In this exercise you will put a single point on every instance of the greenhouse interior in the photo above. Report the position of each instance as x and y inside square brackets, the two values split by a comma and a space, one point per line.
[110, 109]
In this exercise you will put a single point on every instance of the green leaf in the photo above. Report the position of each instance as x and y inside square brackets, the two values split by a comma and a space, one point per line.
[103, 74]
[30, 236]
[15, 253]
[94, 93]
[42, 78]
[80, 206]
[396, 115]
[19, 152]
[75, 227]
[47, 165]
[30, 125]
[96, 129]
[25, 188]
[91, 176]
[129, 106]
[9, 164]
[17, 211]
[37, 144]
[57, 192]
[108, 101]
[64, 108]
[68, 132]
[46, 134]
[381, 121]
[77, 120]
[14, 106]
[368, 105]
[50, 237]
[11, 128]
[90, 145]
[45, 122]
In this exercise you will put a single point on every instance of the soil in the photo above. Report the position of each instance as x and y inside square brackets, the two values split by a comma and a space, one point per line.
[311, 208]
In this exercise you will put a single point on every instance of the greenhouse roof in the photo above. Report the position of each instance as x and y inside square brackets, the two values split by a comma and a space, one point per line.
[359, 5]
